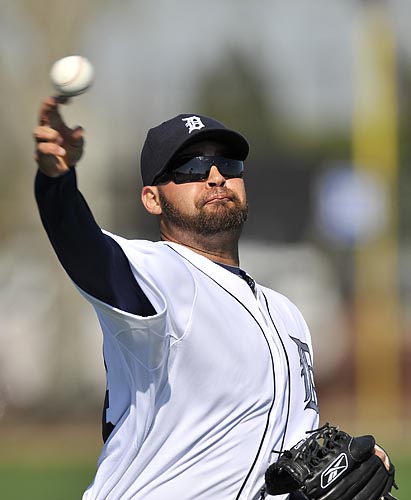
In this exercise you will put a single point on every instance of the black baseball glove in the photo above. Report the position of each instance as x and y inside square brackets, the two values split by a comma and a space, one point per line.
[332, 465]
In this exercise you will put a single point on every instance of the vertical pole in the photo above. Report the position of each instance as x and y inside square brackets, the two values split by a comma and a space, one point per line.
[374, 148]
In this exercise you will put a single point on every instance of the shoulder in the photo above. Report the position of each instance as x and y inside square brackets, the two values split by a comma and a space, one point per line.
[285, 307]
[141, 248]
[154, 260]
[279, 299]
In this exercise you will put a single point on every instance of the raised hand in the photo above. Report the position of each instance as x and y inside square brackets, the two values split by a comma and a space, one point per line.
[59, 147]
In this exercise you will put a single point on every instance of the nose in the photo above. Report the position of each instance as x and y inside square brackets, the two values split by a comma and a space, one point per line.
[215, 178]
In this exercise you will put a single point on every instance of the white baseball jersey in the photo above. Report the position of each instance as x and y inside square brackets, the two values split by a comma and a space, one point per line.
[202, 392]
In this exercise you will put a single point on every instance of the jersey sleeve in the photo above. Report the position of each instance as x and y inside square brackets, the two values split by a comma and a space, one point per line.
[92, 259]
[136, 349]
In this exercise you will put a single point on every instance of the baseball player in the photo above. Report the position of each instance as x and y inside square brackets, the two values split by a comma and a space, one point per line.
[209, 374]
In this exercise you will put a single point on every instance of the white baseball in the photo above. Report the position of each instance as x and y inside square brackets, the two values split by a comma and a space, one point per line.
[72, 75]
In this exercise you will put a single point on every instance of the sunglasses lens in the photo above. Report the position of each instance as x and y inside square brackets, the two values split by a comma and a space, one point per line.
[198, 169]
[183, 177]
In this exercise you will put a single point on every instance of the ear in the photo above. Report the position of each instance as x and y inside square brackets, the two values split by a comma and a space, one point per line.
[150, 200]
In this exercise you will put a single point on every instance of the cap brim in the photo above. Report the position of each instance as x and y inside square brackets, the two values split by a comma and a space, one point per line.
[237, 144]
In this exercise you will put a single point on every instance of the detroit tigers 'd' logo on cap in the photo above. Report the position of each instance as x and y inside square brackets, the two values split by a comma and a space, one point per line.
[193, 123]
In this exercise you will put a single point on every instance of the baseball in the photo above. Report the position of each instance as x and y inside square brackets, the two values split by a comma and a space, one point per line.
[72, 75]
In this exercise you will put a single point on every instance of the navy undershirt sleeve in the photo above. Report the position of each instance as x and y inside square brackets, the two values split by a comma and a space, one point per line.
[93, 260]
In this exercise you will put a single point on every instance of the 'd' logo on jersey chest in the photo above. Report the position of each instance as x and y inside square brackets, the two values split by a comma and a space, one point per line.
[307, 374]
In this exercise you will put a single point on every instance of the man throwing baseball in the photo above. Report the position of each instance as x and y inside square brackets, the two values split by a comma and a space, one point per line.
[209, 374]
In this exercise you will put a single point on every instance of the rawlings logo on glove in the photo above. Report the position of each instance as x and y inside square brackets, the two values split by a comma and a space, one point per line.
[332, 465]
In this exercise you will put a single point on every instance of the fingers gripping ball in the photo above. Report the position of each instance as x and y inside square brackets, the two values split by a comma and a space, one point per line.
[72, 75]
[332, 465]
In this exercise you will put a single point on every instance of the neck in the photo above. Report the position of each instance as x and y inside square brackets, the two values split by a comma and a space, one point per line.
[221, 247]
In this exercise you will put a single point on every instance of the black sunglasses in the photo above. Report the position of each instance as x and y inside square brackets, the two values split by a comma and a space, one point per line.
[198, 169]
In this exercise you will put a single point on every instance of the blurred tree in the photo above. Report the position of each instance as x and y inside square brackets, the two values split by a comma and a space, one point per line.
[282, 162]
[235, 92]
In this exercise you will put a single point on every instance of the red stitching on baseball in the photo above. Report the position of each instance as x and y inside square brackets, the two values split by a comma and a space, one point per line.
[76, 74]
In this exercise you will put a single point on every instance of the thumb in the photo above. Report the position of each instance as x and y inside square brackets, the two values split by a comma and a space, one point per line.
[74, 145]
[77, 135]
[50, 116]
[361, 447]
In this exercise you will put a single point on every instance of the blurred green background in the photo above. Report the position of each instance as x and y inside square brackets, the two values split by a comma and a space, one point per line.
[322, 90]
[52, 461]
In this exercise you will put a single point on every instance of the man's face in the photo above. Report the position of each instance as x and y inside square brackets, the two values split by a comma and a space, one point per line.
[207, 207]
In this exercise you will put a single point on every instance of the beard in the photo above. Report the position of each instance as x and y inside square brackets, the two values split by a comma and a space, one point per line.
[209, 220]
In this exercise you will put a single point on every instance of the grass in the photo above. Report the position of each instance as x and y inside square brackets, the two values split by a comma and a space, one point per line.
[45, 462]
[45, 482]
[403, 478]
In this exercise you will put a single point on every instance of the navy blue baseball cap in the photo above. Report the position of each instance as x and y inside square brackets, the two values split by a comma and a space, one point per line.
[167, 139]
